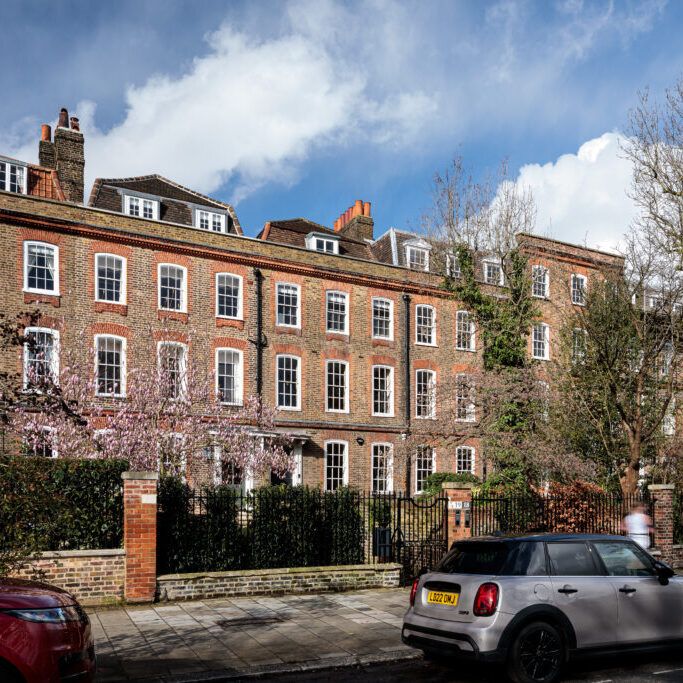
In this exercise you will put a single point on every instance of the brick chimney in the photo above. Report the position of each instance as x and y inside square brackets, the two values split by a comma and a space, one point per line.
[65, 155]
[356, 222]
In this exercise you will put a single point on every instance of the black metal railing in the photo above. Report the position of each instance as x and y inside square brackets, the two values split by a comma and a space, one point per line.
[589, 514]
[221, 529]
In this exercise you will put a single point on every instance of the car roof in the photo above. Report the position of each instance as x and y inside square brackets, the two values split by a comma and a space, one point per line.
[535, 536]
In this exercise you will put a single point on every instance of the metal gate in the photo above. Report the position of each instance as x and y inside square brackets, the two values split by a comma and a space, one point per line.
[419, 537]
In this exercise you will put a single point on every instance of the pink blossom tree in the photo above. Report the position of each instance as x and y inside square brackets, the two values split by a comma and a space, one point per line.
[167, 413]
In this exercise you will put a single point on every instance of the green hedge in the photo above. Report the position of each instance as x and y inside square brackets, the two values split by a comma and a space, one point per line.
[60, 504]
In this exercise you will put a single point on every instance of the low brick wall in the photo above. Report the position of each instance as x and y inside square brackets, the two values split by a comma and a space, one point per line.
[678, 557]
[277, 581]
[93, 577]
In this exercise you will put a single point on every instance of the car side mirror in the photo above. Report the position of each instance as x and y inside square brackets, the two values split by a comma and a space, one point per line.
[664, 572]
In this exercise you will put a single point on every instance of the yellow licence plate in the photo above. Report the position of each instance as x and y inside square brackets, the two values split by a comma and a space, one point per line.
[439, 598]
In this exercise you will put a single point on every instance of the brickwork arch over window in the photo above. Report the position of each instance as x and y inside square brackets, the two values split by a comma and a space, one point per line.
[41, 268]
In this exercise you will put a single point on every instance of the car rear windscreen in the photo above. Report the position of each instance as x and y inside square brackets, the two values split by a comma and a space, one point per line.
[474, 558]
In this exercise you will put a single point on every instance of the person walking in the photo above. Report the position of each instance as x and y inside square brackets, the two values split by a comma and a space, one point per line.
[638, 526]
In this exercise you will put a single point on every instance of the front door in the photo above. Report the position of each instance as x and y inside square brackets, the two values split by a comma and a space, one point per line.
[647, 610]
[583, 593]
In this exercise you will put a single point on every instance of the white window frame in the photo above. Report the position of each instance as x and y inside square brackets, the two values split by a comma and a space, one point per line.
[124, 277]
[472, 454]
[345, 464]
[433, 469]
[470, 409]
[54, 452]
[432, 329]
[8, 164]
[453, 265]
[491, 261]
[347, 312]
[410, 248]
[239, 377]
[54, 361]
[391, 391]
[298, 381]
[546, 341]
[183, 289]
[432, 401]
[240, 297]
[345, 364]
[55, 250]
[154, 202]
[578, 355]
[183, 366]
[543, 270]
[472, 333]
[278, 285]
[389, 482]
[313, 241]
[669, 419]
[211, 215]
[123, 340]
[584, 281]
[391, 318]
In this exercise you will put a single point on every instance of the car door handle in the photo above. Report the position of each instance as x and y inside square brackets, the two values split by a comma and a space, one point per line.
[627, 589]
[567, 590]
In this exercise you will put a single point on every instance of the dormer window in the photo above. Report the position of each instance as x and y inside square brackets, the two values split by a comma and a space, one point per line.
[12, 177]
[323, 243]
[417, 258]
[141, 207]
[209, 220]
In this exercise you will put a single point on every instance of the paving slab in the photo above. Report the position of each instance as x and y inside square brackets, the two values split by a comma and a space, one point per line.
[230, 639]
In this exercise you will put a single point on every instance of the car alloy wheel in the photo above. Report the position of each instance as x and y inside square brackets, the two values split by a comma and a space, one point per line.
[537, 654]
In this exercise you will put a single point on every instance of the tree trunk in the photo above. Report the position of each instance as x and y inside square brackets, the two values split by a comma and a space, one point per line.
[629, 480]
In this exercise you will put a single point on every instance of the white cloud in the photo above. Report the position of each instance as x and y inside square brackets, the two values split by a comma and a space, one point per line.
[250, 111]
[582, 197]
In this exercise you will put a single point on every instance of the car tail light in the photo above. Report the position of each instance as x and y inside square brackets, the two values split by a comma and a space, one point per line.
[486, 600]
[413, 591]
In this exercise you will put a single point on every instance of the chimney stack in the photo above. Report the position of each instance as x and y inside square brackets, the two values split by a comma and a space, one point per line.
[65, 155]
[356, 222]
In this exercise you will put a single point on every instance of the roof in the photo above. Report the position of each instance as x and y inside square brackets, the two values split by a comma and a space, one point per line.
[293, 232]
[43, 182]
[536, 536]
[105, 196]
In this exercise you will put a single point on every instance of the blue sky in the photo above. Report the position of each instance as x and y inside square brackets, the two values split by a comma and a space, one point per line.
[299, 108]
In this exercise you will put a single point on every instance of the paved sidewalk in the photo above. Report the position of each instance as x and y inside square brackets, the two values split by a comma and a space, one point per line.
[235, 638]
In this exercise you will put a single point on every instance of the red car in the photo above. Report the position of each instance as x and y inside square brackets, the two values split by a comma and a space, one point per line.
[45, 635]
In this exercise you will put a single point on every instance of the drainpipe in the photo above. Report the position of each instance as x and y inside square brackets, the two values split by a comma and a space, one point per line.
[406, 362]
[260, 341]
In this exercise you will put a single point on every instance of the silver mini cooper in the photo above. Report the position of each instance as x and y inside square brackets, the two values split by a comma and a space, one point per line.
[532, 601]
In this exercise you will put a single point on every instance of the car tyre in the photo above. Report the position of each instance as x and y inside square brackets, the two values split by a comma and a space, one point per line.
[537, 654]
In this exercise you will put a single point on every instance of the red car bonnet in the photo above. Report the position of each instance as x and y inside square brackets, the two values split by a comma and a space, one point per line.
[20, 594]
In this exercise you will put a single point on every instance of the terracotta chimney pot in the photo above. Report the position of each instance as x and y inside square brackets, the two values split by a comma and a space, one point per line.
[358, 208]
[63, 118]
[366, 209]
[46, 133]
[74, 124]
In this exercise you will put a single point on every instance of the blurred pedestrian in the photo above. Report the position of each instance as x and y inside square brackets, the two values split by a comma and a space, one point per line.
[638, 525]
